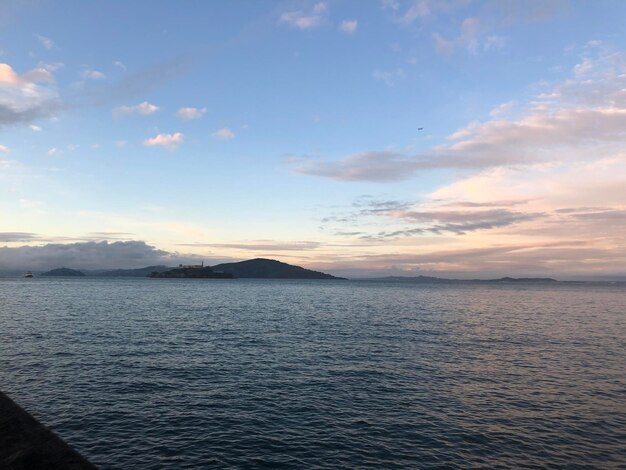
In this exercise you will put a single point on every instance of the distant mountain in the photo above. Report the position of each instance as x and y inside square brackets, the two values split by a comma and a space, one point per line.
[192, 273]
[429, 279]
[66, 272]
[139, 272]
[522, 279]
[262, 268]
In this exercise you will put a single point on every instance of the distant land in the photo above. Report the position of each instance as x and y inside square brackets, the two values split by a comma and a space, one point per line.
[66, 272]
[258, 268]
[429, 279]
[262, 268]
[139, 272]
[204, 272]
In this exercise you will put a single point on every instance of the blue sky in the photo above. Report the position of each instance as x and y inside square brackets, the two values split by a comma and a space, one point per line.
[230, 130]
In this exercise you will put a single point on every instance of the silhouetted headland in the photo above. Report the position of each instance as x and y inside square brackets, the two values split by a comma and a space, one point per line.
[25, 444]
[262, 268]
[64, 272]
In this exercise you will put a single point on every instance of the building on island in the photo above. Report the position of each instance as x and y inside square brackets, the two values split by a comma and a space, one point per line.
[191, 266]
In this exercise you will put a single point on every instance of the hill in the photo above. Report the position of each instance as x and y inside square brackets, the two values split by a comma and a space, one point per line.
[261, 268]
[66, 272]
[430, 279]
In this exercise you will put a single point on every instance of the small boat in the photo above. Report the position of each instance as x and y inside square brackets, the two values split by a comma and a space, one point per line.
[28, 274]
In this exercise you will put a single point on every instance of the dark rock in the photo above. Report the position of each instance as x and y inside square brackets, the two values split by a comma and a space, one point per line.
[25, 444]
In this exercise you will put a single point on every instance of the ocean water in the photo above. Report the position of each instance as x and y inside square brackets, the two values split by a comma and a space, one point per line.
[167, 373]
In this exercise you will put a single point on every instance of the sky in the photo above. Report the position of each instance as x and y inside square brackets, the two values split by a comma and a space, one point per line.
[398, 137]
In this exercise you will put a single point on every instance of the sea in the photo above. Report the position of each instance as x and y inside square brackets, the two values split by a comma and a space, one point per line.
[200, 373]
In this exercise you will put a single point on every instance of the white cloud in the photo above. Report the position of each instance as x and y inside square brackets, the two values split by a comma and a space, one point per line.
[190, 113]
[24, 98]
[390, 5]
[305, 20]
[93, 74]
[468, 39]
[30, 204]
[144, 109]
[35, 128]
[224, 134]
[419, 9]
[494, 43]
[4, 149]
[389, 77]
[120, 65]
[170, 141]
[349, 26]
[503, 108]
[53, 151]
[45, 42]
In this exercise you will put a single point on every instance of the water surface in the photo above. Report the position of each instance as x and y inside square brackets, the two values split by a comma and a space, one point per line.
[166, 373]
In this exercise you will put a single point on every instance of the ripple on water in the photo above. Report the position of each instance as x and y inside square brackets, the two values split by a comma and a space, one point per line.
[293, 374]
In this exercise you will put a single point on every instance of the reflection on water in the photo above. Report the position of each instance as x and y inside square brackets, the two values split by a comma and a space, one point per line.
[186, 373]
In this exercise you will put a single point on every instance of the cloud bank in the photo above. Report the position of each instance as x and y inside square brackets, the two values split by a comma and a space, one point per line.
[82, 255]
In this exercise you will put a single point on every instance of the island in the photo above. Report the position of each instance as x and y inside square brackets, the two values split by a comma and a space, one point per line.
[136, 272]
[192, 272]
[262, 268]
[63, 272]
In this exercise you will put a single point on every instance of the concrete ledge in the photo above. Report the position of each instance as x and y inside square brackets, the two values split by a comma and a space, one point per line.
[26, 444]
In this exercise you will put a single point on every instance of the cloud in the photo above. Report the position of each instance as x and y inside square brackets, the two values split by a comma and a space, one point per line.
[144, 109]
[305, 20]
[582, 118]
[429, 217]
[4, 149]
[81, 255]
[170, 141]
[442, 45]
[11, 237]
[26, 97]
[132, 84]
[120, 65]
[47, 43]
[53, 152]
[92, 74]
[190, 113]
[468, 39]
[389, 78]
[30, 204]
[52, 67]
[365, 166]
[261, 245]
[494, 43]
[349, 26]
[35, 128]
[418, 9]
[224, 134]
[390, 5]
[503, 109]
